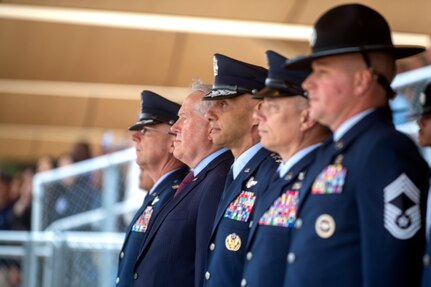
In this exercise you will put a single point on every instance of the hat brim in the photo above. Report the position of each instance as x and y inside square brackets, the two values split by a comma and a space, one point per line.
[268, 92]
[398, 52]
[140, 124]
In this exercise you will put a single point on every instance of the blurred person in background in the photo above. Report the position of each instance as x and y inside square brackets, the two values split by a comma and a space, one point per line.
[21, 212]
[424, 123]
[6, 206]
[154, 145]
[80, 150]
[145, 180]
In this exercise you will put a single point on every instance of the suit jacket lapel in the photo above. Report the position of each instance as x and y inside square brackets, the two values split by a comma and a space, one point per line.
[174, 201]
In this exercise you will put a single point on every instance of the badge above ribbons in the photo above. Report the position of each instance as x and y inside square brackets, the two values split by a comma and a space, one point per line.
[402, 217]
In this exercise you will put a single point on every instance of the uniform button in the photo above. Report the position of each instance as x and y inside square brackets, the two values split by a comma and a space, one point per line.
[212, 246]
[243, 282]
[207, 275]
[291, 257]
[249, 255]
[427, 260]
[135, 276]
[117, 280]
[122, 255]
[250, 224]
[298, 223]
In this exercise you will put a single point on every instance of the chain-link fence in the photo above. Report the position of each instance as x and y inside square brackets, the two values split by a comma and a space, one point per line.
[79, 214]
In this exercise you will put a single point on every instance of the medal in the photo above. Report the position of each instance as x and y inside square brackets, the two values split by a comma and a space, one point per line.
[233, 242]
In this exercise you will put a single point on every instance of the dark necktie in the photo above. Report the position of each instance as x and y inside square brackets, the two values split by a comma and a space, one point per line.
[185, 181]
[229, 179]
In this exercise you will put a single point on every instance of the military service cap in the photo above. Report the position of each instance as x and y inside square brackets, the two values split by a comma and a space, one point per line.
[233, 78]
[154, 110]
[281, 82]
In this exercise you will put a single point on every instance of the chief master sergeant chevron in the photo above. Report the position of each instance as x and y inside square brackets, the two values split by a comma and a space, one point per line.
[363, 202]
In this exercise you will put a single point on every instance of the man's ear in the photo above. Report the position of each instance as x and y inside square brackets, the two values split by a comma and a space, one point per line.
[305, 121]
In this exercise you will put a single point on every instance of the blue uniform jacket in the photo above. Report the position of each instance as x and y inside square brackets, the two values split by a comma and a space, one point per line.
[147, 212]
[234, 219]
[362, 209]
[267, 247]
[426, 279]
[167, 257]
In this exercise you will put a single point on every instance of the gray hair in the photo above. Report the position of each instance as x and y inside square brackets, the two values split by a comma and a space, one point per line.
[199, 86]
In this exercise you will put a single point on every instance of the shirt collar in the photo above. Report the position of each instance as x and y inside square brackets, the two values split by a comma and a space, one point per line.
[285, 166]
[347, 125]
[157, 183]
[244, 158]
[205, 161]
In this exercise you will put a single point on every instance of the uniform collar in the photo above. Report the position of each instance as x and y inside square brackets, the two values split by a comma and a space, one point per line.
[205, 161]
[285, 166]
[348, 124]
[244, 158]
[161, 179]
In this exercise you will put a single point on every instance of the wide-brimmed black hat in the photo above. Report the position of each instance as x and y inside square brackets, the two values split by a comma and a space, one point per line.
[351, 28]
[281, 82]
[233, 78]
[155, 109]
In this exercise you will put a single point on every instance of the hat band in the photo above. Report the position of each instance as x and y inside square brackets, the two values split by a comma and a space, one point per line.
[284, 85]
[235, 89]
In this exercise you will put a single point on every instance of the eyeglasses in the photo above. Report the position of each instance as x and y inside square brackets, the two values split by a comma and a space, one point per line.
[144, 130]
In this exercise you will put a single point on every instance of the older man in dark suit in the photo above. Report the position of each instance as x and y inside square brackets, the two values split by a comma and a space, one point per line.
[176, 243]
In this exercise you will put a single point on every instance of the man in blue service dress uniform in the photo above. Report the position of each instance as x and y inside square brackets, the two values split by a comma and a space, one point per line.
[285, 127]
[168, 255]
[233, 126]
[154, 153]
[424, 124]
[362, 204]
